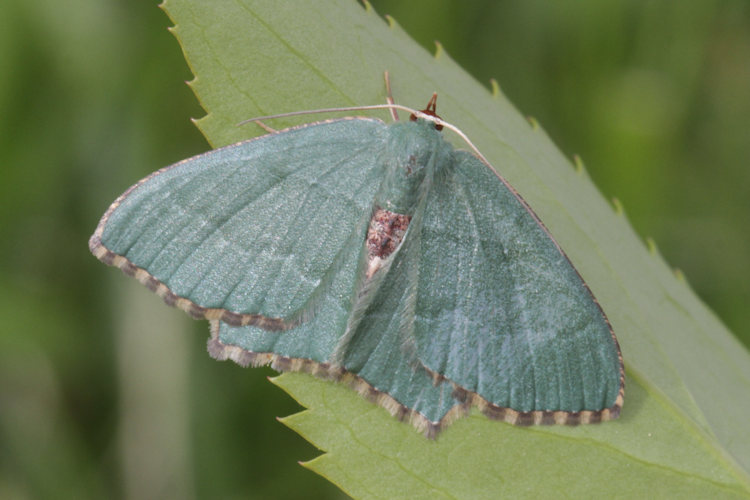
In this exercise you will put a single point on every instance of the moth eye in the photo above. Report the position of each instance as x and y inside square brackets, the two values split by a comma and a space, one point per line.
[413, 117]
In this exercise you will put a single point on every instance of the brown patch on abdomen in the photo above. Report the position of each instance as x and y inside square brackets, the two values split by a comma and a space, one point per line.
[384, 235]
[386, 231]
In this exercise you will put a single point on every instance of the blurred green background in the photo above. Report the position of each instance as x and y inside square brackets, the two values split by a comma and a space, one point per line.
[654, 95]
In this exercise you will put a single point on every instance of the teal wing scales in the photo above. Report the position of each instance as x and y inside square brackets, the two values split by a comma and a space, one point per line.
[382, 351]
[364, 340]
[500, 310]
[249, 233]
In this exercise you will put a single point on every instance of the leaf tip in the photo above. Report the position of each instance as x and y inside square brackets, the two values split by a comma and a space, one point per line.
[679, 275]
[533, 122]
[579, 166]
[495, 88]
[618, 206]
[438, 49]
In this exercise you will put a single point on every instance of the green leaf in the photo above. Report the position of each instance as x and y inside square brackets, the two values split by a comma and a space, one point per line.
[683, 429]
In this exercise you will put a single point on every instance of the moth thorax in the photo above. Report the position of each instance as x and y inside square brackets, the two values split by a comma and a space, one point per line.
[384, 235]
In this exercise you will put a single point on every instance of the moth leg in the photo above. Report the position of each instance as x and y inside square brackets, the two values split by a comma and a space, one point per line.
[389, 96]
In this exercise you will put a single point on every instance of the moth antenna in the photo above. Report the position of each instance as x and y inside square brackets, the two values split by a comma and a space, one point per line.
[428, 115]
[332, 110]
[266, 127]
[389, 95]
[463, 136]
[439, 122]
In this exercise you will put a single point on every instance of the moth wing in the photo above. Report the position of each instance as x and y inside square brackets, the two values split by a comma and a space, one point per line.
[362, 335]
[500, 310]
[313, 340]
[249, 233]
[380, 346]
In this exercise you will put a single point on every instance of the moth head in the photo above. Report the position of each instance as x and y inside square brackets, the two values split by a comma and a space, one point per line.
[430, 110]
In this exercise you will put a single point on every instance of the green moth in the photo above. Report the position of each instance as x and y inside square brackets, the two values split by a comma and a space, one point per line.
[379, 256]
